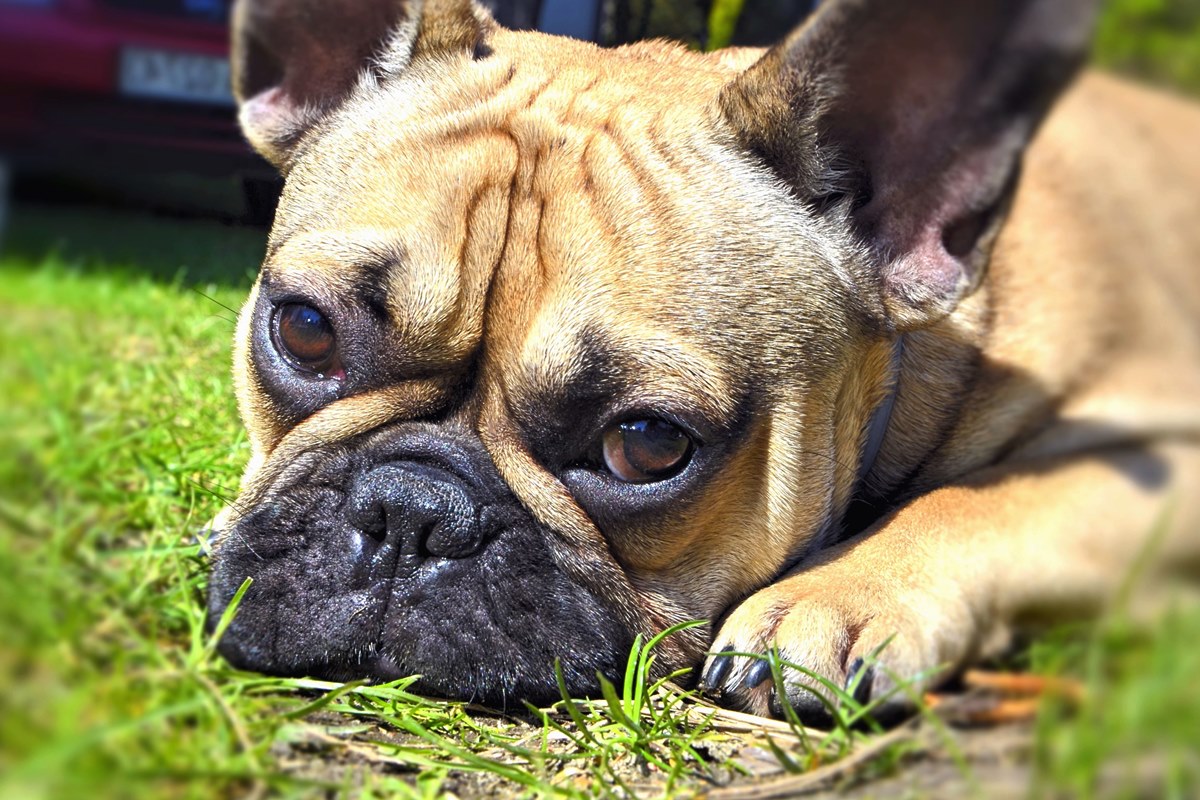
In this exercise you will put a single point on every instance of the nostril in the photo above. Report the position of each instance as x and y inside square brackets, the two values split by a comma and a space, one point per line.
[373, 522]
[452, 538]
[421, 538]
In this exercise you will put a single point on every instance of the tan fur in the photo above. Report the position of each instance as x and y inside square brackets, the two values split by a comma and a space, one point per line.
[1089, 331]
[544, 194]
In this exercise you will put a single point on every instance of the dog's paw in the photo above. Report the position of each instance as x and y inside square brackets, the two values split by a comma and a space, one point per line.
[861, 636]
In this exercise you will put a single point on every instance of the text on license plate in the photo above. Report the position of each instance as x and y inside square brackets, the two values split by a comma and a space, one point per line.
[168, 75]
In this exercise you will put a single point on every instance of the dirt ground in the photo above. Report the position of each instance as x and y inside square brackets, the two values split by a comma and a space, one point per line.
[926, 758]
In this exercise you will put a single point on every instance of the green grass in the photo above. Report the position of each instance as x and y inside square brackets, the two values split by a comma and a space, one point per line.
[117, 415]
[1155, 40]
[1140, 725]
[118, 438]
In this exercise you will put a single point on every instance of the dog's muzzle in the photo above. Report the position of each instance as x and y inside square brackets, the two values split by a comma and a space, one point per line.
[402, 553]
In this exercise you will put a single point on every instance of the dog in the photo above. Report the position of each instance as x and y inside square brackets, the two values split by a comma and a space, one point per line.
[874, 347]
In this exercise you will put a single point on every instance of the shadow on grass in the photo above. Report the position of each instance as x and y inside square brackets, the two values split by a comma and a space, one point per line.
[170, 250]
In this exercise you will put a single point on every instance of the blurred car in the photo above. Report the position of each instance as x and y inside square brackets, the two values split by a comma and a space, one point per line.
[129, 86]
[136, 92]
[127, 91]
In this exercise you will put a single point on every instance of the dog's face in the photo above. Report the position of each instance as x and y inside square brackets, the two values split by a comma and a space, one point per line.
[552, 345]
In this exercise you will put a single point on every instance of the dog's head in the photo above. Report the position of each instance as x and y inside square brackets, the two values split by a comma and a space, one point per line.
[554, 345]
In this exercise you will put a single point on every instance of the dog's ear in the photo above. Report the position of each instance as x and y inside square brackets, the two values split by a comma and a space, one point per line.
[293, 61]
[912, 117]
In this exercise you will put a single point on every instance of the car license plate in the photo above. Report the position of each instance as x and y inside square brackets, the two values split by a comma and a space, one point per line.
[168, 75]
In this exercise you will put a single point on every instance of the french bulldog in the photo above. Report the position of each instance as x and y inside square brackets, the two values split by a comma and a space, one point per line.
[873, 347]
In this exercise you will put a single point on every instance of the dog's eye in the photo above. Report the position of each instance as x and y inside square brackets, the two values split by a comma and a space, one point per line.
[645, 450]
[305, 337]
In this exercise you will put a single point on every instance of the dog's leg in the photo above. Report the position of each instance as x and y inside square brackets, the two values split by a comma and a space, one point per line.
[947, 577]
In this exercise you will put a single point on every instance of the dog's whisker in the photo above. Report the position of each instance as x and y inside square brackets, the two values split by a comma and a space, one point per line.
[840, 465]
[219, 303]
[226, 499]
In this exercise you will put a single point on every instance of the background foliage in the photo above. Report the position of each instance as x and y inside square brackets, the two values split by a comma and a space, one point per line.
[1157, 40]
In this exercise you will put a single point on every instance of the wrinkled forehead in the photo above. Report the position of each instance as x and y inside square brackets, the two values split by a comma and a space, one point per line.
[541, 201]
[404, 221]
[427, 187]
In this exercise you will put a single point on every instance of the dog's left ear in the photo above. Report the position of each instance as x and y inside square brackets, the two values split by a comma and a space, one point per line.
[916, 114]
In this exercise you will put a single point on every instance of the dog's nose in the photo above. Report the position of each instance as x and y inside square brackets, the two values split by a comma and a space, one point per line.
[421, 510]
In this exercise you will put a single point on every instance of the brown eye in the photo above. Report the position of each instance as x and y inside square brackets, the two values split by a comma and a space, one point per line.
[645, 450]
[305, 337]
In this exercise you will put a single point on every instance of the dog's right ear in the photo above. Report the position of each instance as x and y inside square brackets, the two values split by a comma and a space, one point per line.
[294, 61]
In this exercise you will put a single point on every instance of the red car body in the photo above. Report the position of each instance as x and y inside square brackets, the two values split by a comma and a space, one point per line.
[68, 98]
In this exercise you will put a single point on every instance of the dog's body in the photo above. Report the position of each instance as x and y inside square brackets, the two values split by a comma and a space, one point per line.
[526, 255]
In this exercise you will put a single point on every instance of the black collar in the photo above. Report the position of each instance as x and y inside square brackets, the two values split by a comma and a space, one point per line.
[881, 417]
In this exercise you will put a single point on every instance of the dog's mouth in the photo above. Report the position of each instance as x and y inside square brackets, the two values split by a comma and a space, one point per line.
[407, 555]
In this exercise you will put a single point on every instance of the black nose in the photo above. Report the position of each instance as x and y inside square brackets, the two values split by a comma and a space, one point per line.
[421, 510]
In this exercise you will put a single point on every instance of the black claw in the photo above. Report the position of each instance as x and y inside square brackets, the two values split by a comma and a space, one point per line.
[758, 673]
[806, 706]
[855, 666]
[718, 670]
[862, 692]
